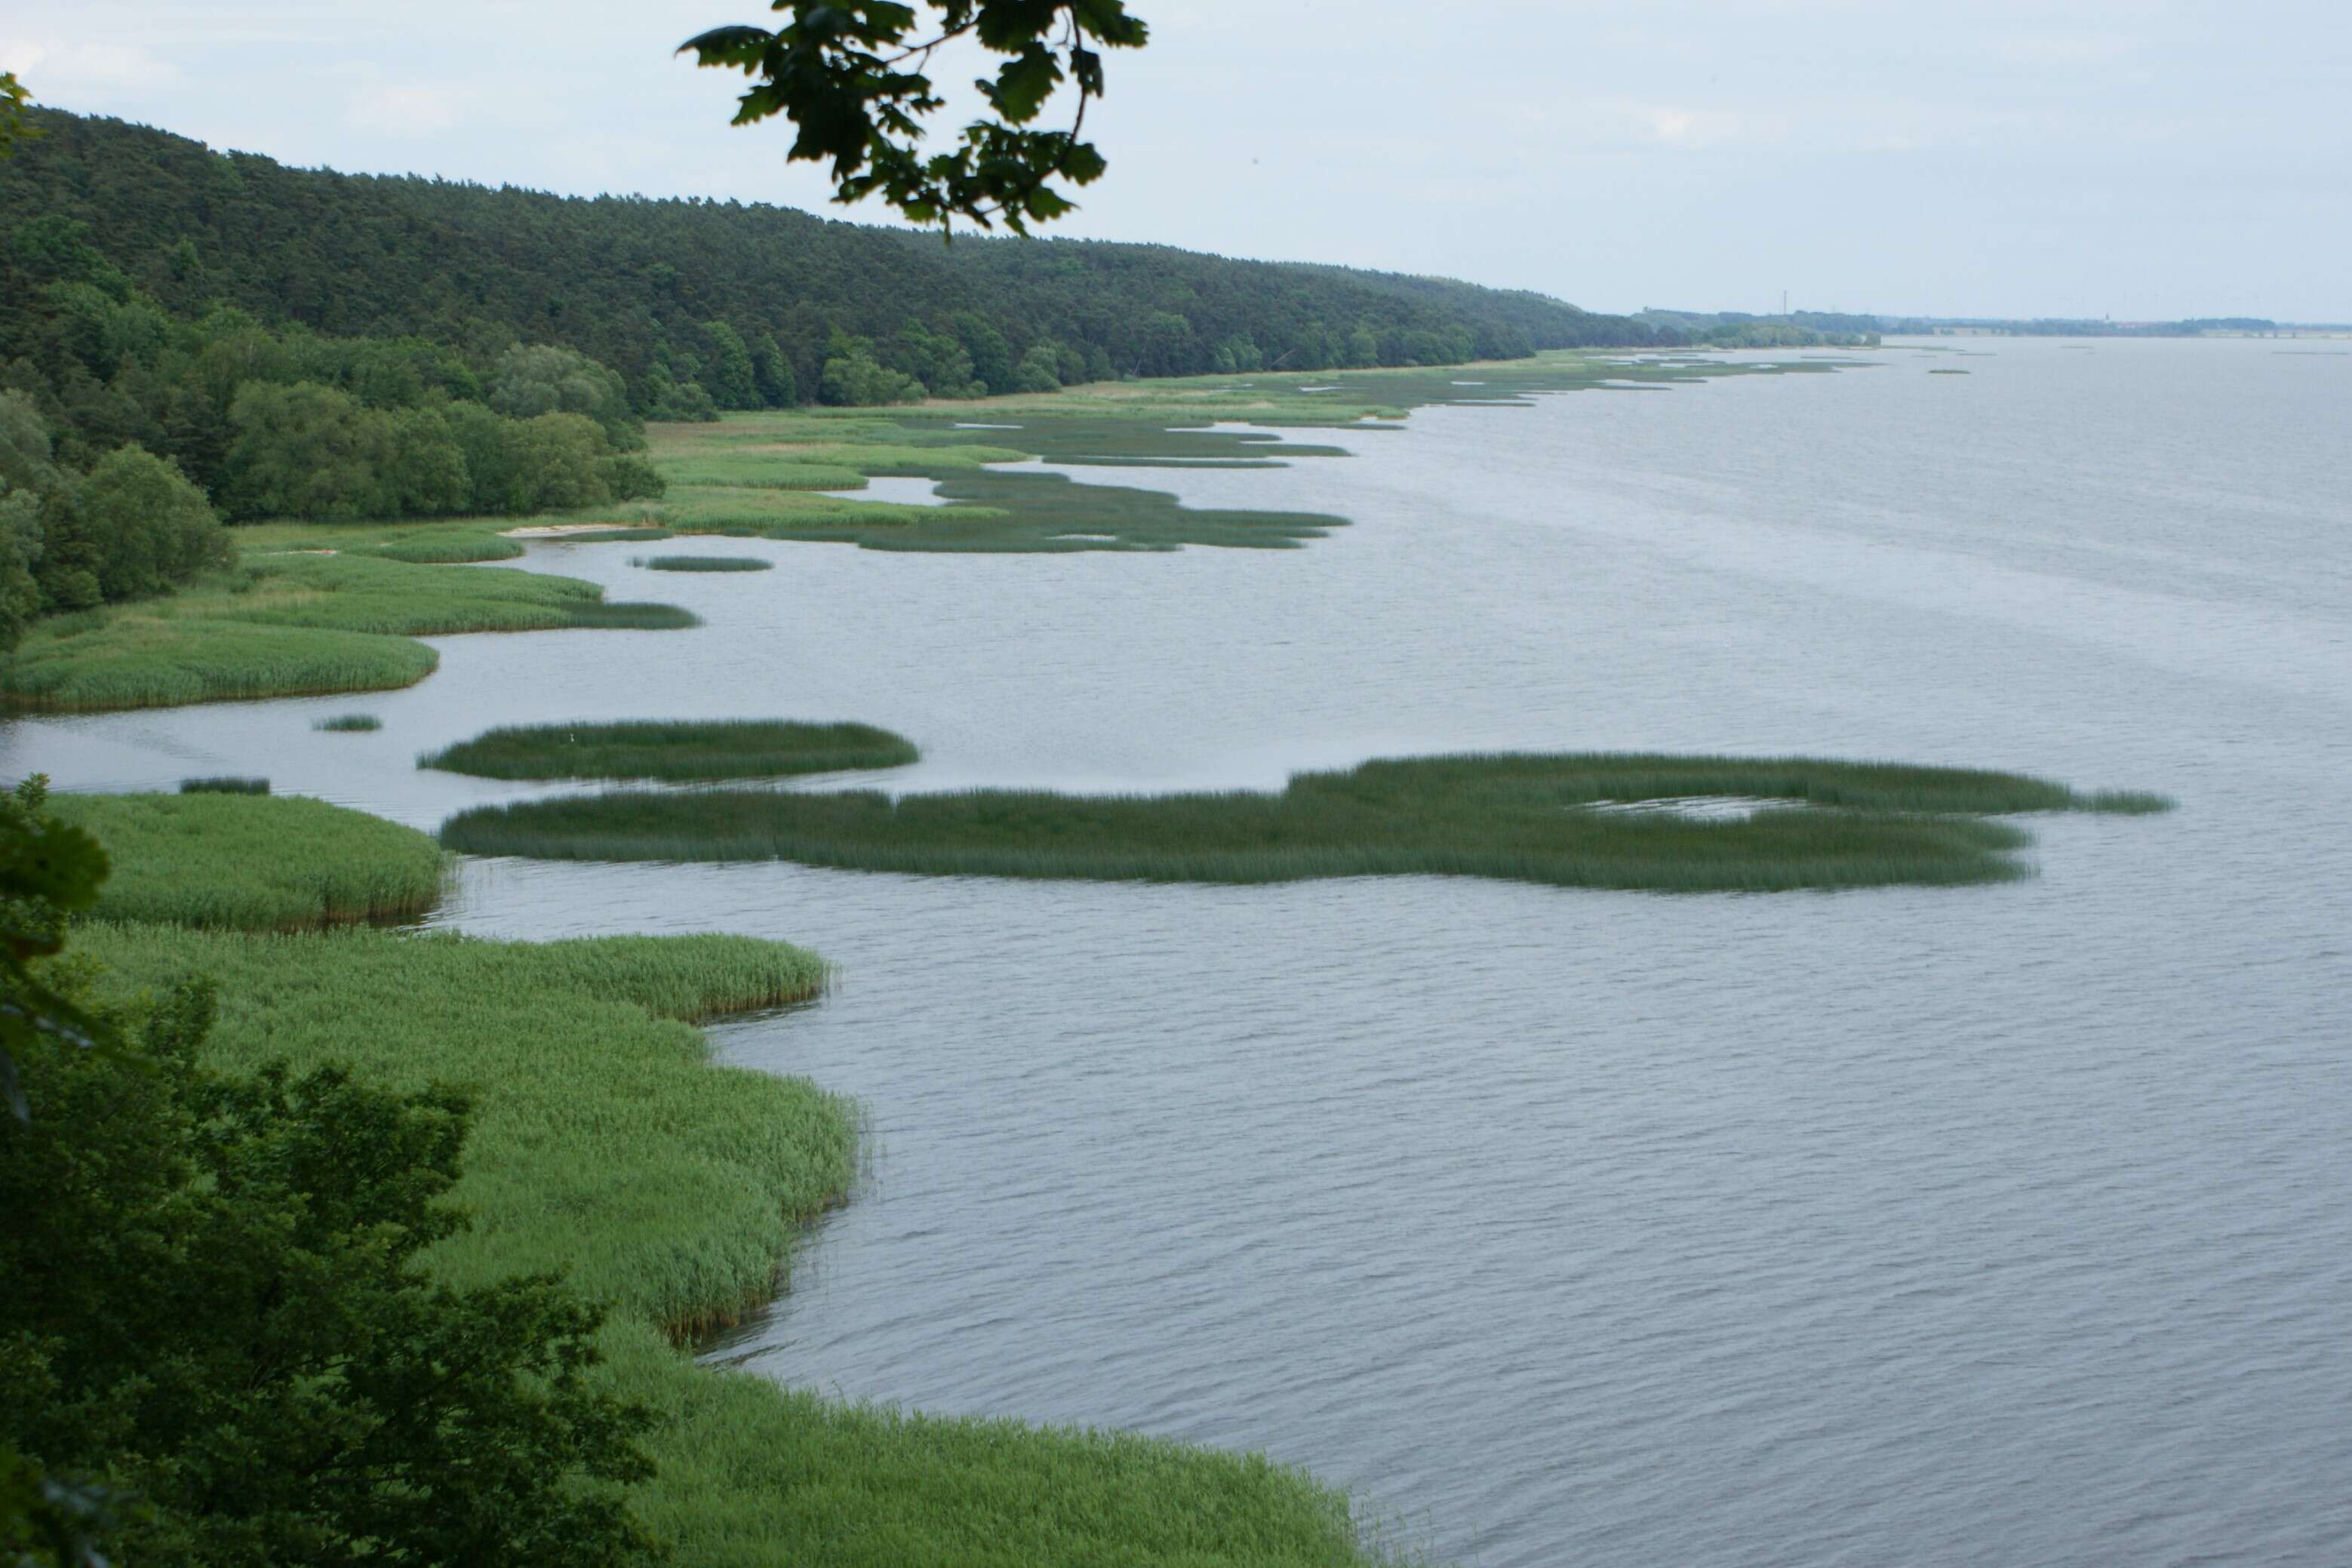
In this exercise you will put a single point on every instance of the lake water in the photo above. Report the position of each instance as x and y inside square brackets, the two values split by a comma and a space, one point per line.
[2009, 1224]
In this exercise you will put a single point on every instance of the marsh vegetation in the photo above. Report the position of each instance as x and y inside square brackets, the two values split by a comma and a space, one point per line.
[701, 562]
[1799, 822]
[660, 749]
[605, 1147]
[223, 859]
[294, 625]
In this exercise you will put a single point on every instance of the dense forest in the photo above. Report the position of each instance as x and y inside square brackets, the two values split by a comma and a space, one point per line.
[746, 304]
[191, 335]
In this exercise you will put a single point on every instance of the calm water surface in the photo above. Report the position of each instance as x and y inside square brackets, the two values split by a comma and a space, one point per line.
[2009, 1223]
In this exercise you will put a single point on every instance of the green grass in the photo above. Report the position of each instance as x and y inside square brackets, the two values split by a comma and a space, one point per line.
[225, 784]
[349, 723]
[1537, 818]
[652, 748]
[132, 658]
[247, 861]
[701, 562]
[606, 1145]
[289, 625]
[441, 541]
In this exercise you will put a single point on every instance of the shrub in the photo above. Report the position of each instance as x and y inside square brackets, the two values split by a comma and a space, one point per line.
[131, 528]
[860, 381]
[627, 477]
[308, 451]
[546, 379]
[555, 459]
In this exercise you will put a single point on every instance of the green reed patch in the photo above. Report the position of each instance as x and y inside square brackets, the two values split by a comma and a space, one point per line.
[225, 783]
[1571, 820]
[701, 562]
[661, 748]
[290, 625]
[239, 859]
[349, 723]
[136, 659]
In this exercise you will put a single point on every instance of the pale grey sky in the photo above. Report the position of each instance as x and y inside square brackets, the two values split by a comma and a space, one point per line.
[2139, 158]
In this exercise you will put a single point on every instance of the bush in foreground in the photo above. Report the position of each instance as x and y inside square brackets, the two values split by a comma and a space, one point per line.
[215, 1307]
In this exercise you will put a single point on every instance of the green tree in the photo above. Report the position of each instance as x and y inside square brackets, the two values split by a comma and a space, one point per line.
[854, 378]
[426, 474]
[773, 373]
[20, 549]
[850, 75]
[992, 356]
[684, 401]
[728, 374]
[216, 1306]
[27, 458]
[1040, 370]
[481, 438]
[12, 128]
[132, 528]
[555, 459]
[546, 379]
[306, 450]
[937, 359]
[628, 476]
[1167, 344]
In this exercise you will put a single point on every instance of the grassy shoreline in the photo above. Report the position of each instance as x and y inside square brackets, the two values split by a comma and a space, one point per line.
[1555, 819]
[607, 1144]
[293, 625]
[763, 475]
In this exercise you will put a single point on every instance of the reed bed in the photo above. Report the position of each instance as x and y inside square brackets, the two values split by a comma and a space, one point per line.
[606, 1145]
[225, 783]
[245, 860]
[450, 547]
[349, 723]
[993, 512]
[779, 514]
[680, 750]
[294, 625]
[1817, 823]
[615, 536]
[701, 562]
[136, 660]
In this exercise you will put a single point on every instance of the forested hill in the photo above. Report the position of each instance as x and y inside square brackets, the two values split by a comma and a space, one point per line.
[636, 282]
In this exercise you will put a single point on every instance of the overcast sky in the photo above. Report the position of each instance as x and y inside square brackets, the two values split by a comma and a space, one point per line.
[2138, 158]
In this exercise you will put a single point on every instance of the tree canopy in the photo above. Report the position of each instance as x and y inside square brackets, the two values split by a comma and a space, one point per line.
[851, 76]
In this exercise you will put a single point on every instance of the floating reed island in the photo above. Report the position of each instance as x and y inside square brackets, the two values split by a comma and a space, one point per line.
[701, 562]
[661, 748]
[1692, 824]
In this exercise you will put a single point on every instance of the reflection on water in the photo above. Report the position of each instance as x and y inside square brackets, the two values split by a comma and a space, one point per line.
[2004, 1223]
